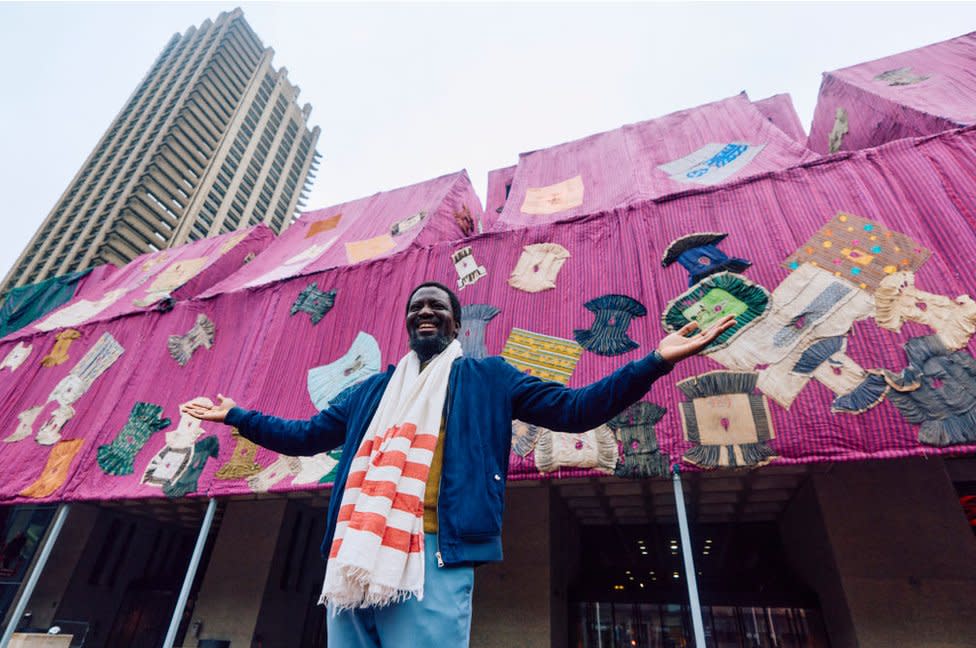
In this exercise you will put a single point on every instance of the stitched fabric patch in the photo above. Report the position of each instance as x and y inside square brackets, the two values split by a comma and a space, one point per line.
[468, 270]
[898, 300]
[313, 301]
[634, 428]
[173, 459]
[835, 139]
[900, 77]
[596, 449]
[323, 225]
[608, 335]
[293, 265]
[117, 458]
[16, 356]
[242, 462]
[174, 276]
[201, 334]
[232, 242]
[727, 423]
[942, 401]
[55, 470]
[475, 318]
[278, 470]
[699, 255]
[186, 483]
[543, 356]
[464, 220]
[59, 352]
[554, 198]
[78, 312]
[712, 299]
[860, 250]
[357, 251]
[712, 163]
[407, 223]
[524, 437]
[361, 361]
[538, 267]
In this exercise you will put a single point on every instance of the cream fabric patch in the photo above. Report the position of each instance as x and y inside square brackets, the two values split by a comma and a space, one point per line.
[554, 198]
[357, 251]
[712, 163]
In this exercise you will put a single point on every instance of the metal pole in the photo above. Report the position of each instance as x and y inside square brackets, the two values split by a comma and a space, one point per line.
[686, 552]
[35, 574]
[191, 572]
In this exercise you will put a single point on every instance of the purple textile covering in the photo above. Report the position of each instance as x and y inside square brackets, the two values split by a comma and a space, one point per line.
[919, 92]
[499, 184]
[621, 167]
[145, 283]
[324, 238]
[261, 353]
[779, 110]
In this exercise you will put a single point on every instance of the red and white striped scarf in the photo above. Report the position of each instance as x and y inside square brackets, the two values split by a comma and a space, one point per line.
[377, 553]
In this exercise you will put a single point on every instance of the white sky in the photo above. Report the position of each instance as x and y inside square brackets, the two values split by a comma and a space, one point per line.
[405, 92]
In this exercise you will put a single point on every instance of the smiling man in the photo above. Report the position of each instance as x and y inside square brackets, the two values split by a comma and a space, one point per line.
[419, 491]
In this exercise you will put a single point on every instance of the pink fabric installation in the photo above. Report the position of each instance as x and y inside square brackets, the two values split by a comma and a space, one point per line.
[152, 281]
[781, 112]
[718, 142]
[499, 186]
[360, 230]
[919, 92]
[261, 354]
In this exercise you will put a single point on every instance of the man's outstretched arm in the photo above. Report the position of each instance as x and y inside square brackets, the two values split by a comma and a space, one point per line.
[560, 408]
[324, 431]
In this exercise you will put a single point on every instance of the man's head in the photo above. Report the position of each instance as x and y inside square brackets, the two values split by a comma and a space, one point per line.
[433, 318]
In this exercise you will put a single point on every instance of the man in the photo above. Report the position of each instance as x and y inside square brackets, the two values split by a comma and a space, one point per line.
[419, 490]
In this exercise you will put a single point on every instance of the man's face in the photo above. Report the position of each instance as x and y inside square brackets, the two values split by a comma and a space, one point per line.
[430, 321]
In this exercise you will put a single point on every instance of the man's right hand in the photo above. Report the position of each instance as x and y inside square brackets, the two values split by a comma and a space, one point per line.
[216, 412]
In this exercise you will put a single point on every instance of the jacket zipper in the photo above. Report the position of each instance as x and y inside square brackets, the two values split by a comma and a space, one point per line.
[440, 479]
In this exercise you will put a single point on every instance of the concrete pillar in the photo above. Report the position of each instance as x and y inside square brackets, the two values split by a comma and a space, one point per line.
[233, 586]
[887, 547]
[512, 598]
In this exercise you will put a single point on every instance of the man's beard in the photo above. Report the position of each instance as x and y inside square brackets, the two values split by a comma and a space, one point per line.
[427, 347]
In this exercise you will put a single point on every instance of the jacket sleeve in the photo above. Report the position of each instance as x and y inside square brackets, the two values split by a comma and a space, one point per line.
[297, 438]
[560, 408]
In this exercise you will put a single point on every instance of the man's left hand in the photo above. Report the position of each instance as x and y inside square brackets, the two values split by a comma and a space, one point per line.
[685, 342]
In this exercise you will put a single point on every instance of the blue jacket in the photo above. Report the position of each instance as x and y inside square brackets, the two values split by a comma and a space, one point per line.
[483, 397]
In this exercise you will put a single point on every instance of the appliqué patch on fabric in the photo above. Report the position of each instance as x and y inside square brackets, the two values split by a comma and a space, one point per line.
[861, 251]
[314, 468]
[942, 400]
[856, 390]
[712, 163]
[361, 361]
[464, 220]
[542, 356]
[475, 318]
[902, 76]
[175, 275]
[117, 458]
[699, 255]
[313, 301]
[242, 462]
[634, 428]
[727, 423]
[468, 270]
[201, 334]
[712, 299]
[323, 225]
[281, 468]
[357, 251]
[407, 223]
[554, 198]
[524, 437]
[898, 300]
[25, 427]
[293, 265]
[835, 138]
[188, 481]
[172, 460]
[59, 352]
[232, 242]
[538, 267]
[608, 335]
[595, 449]
[16, 356]
[55, 470]
[78, 312]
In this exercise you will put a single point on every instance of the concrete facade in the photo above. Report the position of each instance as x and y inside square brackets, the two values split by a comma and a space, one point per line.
[212, 140]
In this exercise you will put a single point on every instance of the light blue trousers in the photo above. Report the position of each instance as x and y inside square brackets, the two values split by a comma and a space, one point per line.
[443, 618]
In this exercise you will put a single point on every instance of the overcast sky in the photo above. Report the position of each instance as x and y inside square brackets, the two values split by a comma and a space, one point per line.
[406, 92]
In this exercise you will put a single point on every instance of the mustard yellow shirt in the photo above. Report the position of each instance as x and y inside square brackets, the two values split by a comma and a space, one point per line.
[434, 483]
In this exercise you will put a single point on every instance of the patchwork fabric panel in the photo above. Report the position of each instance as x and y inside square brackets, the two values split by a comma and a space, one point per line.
[361, 361]
[524, 437]
[634, 428]
[474, 321]
[242, 462]
[543, 356]
[407, 223]
[232, 242]
[174, 276]
[357, 251]
[900, 77]
[78, 312]
[835, 139]
[313, 301]
[538, 267]
[293, 265]
[201, 334]
[712, 163]
[467, 268]
[16, 356]
[712, 299]
[698, 253]
[117, 458]
[898, 300]
[608, 335]
[55, 470]
[186, 483]
[59, 352]
[860, 250]
[323, 225]
[596, 449]
[464, 220]
[554, 198]
[727, 423]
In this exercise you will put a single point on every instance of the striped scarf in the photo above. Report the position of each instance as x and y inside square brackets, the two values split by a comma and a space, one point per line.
[377, 553]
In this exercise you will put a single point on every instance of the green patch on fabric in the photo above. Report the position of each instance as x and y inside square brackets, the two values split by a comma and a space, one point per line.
[713, 306]
[713, 298]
